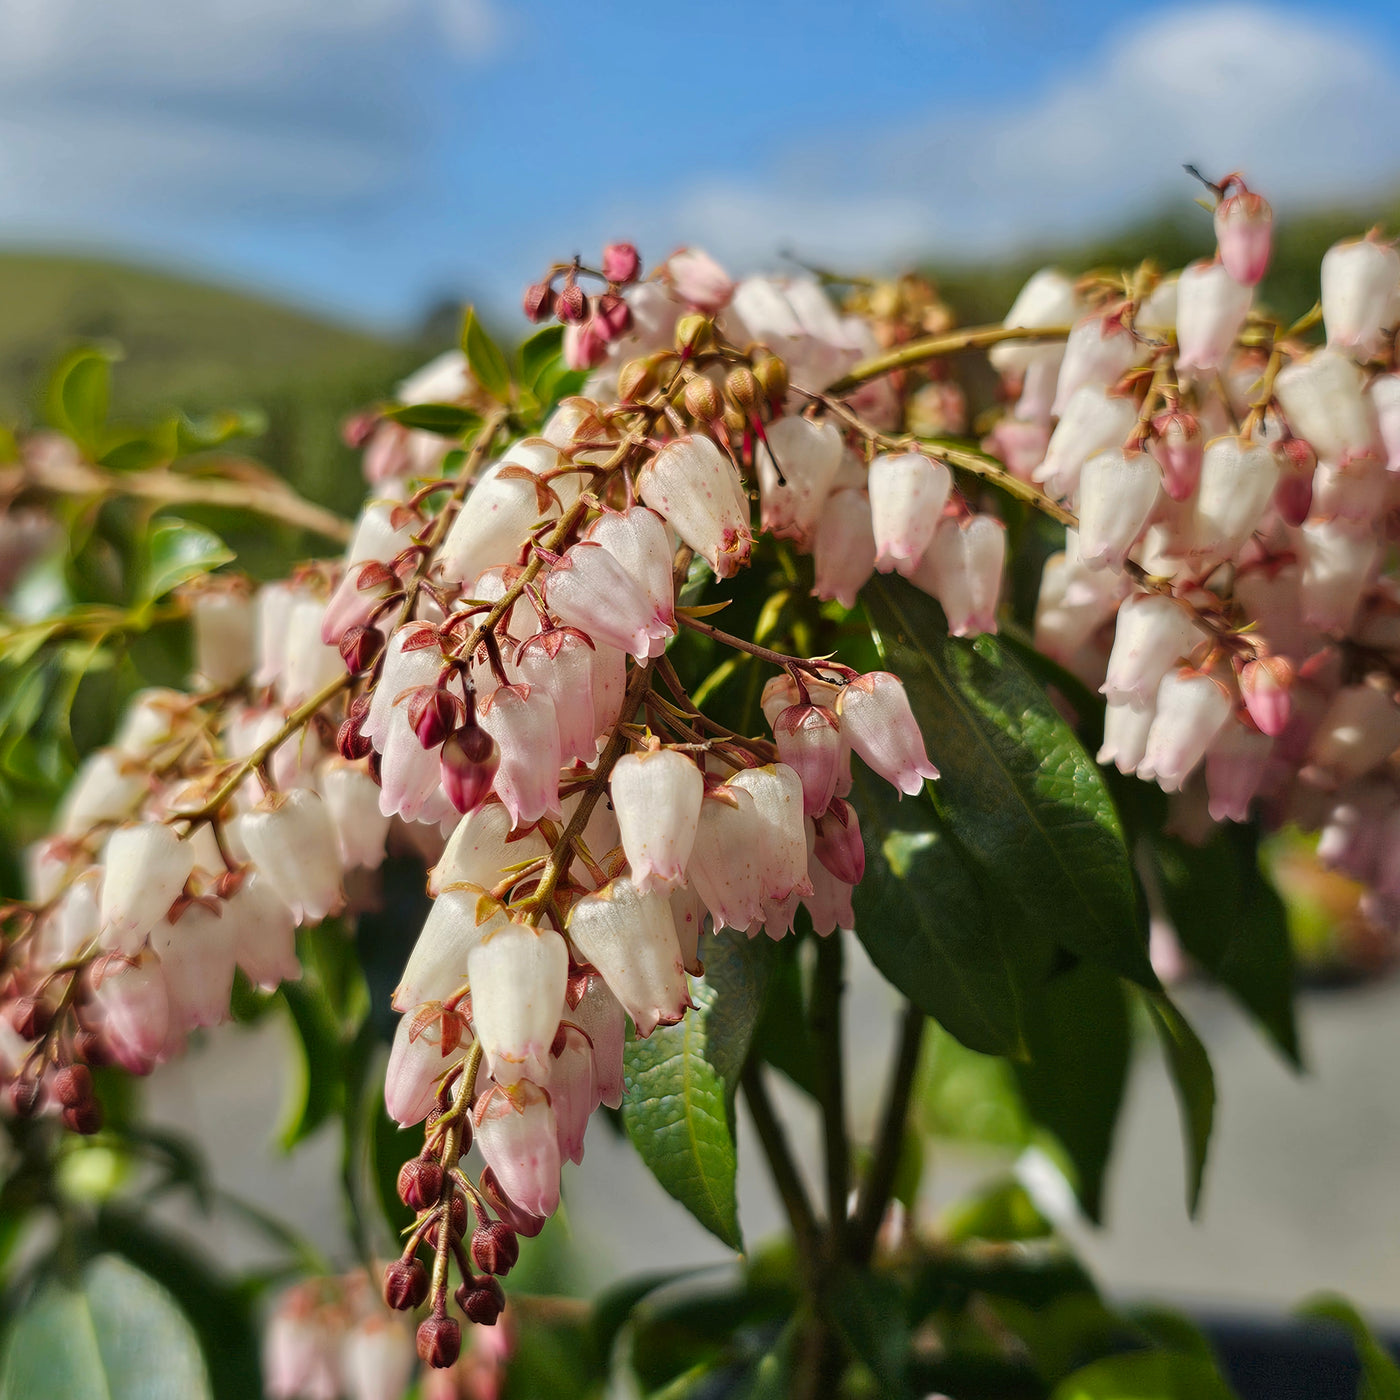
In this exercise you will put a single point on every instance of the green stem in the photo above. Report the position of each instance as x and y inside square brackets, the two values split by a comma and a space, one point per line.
[826, 1034]
[791, 1191]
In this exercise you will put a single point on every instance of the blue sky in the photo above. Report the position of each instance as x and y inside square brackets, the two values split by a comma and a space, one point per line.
[368, 155]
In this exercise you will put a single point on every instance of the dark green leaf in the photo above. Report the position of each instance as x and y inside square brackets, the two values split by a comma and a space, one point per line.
[783, 1037]
[542, 351]
[924, 921]
[1173, 1331]
[319, 1089]
[1080, 1046]
[1146, 1375]
[117, 1335]
[678, 1105]
[1018, 788]
[1380, 1376]
[79, 393]
[484, 358]
[1194, 1082]
[446, 419]
[869, 1312]
[178, 551]
[1001, 1211]
[1232, 922]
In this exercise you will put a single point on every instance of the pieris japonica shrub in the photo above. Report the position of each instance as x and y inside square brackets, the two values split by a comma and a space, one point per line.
[713, 625]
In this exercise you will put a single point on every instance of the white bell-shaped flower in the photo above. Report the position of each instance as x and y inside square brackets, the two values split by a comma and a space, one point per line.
[496, 519]
[1325, 400]
[1092, 421]
[844, 549]
[1337, 565]
[290, 838]
[696, 489]
[656, 795]
[907, 494]
[1192, 707]
[1210, 313]
[1117, 491]
[143, 868]
[482, 845]
[1238, 478]
[437, 966]
[1153, 634]
[796, 469]
[1047, 299]
[518, 975]
[1359, 281]
[777, 794]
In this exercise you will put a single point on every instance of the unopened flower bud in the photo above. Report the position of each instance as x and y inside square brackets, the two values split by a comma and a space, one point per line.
[1266, 684]
[420, 1183]
[495, 1249]
[23, 1096]
[72, 1085]
[360, 648]
[1244, 226]
[31, 1017]
[772, 376]
[482, 1300]
[84, 1118]
[702, 401]
[635, 380]
[691, 330]
[1178, 445]
[405, 1284]
[439, 1341]
[350, 741]
[539, 302]
[571, 306]
[432, 713]
[741, 388]
[621, 263]
[614, 316]
[470, 758]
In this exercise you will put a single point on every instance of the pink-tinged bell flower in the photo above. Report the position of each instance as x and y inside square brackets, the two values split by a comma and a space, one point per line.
[609, 687]
[638, 539]
[876, 717]
[1210, 313]
[1125, 729]
[197, 960]
[72, 925]
[468, 762]
[726, 864]
[698, 279]
[301, 1359]
[264, 933]
[1266, 683]
[696, 489]
[1047, 299]
[377, 1360]
[291, 839]
[417, 1061]
[1359, 282]
[518, 1135]
[630, 938]
[688, 913]
[599, 1015]
[482, 844]
[907, 494]
[809, 742]
[1385, 403]
[132, 1009]
[1235, 764]
[1152, 635]
[1352, 837]
[778, 800]
[437, 966]
[1117, 491]
[839, 846]
[656, 796]
[796, 468]
[410, 776]
[1238, 478]
[586, 343]
[352, 799]
[590, 590]
[1092, 421]
[518, 975]
[412, 660]
[522, 722]
[495, 521]
[1100, 349]
[1192, 708]
[571, 1090]
[1358, 732]
[143, 868]
[962, 569]
[1244, 229]
[1179, 446]
[309, 665]
[106, 788]
[1021, 445]
[1325, 401]
[376, 540]
[844, 548]
[1337, 565]
[829, 904]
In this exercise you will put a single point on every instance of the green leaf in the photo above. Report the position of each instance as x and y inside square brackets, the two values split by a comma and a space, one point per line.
[199, 434]
[118, 1335]
[178, 551]
[1002, 1210]
[79, 394]
[1018, 789]
[1232, 922]
[541, 352]
[1380, 1377]
[484, 358]
[922, 917]
[446, 419]
[1080, 1047]
[318, 1089]
[869, 1312]
[678, 1103]
[783, 1037]
[1194, 1081]
[1146, 1375]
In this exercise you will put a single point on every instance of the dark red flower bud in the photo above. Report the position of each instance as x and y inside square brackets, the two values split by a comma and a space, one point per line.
[482, 1300]
[432, 713]
[420, 1183]
[85, 1118]
[405, 1284]
[571, 305]
[350, 742]
[459, 1221]
[621, 263]
[72, 1085]
[90, 1045]
[614, 316]
[539, 302]
[470, 758]
[24, 1096]
[495, 1249]
[439, 1341]
[30, 1017]
[360, 648]
[520, 1221]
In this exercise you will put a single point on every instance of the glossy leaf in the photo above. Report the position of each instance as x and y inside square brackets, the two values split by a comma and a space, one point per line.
[116, 1335]
[924, 921]
[1194, 1081]
[1146, 1375]
[484, 358]
[178, 551]
[1018, 788]
[1232, 922]
[79, 394]
[1380, 1376]
[446, 419]
[1080, 1047]
[540, 353]
[678, 1103]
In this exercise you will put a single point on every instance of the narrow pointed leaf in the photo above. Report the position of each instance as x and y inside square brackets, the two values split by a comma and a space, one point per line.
[1194, 1081]
[484, 358]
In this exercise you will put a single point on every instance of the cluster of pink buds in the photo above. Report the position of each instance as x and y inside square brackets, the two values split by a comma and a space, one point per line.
[591, 323]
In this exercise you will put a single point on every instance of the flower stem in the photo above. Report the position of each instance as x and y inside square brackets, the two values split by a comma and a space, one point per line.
[826, 1033]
